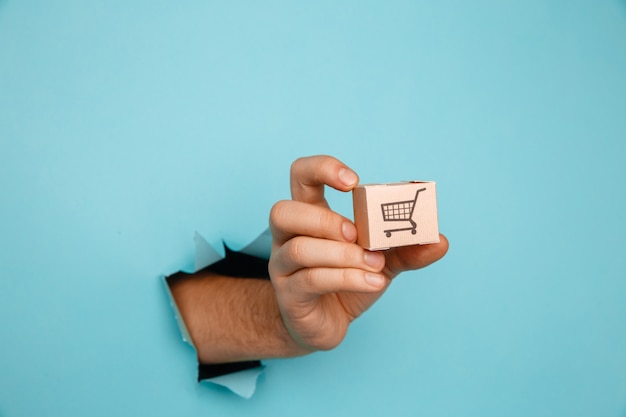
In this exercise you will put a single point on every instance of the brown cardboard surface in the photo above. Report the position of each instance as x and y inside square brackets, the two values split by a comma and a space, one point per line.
[395, 214]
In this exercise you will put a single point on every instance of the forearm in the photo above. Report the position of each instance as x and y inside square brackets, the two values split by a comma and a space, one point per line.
[233, 320]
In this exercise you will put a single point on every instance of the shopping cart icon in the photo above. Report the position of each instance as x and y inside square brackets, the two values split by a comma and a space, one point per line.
[399, 211]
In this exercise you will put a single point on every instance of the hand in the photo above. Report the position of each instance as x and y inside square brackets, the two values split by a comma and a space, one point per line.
[322, 279]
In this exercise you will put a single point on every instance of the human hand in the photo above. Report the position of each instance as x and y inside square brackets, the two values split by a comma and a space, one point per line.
[322, 279]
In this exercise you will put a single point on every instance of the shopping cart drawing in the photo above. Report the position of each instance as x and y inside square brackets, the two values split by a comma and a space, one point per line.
[400, 211]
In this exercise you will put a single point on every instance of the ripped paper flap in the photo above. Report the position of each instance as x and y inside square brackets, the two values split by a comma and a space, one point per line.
[242, 383]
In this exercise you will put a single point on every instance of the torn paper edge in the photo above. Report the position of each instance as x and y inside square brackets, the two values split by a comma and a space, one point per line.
[242, 383]
[179, 319]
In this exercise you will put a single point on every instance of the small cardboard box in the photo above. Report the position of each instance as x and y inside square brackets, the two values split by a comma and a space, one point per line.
[396, 214]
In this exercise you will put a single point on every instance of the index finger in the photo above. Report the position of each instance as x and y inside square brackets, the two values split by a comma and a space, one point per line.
[310, 174]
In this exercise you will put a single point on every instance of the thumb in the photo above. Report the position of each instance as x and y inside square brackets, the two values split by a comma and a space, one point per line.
[406, 258]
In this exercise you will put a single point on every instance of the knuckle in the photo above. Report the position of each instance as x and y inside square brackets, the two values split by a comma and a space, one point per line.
[295, 165]
[326, 163]
[279, 212]
[328, 220]
[325, 159]
[275, 273]
[348, 277]
[308, 279]
[329, 341]
[294, 249]
[272, 268]
[353, 254]
[317, 163]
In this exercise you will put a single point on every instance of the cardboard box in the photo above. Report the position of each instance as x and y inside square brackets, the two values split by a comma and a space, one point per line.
[396, 214]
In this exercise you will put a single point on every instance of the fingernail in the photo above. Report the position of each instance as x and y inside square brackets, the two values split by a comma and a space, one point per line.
[348, 177]
[349, 231]
[374, 279]
[373, 259]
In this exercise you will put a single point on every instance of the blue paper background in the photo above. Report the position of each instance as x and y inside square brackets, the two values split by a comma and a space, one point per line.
[126, 126]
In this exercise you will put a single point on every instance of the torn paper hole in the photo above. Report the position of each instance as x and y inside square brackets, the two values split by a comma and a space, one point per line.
[250, 262]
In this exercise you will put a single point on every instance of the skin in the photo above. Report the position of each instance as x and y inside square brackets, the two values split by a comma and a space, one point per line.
[321, 280]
